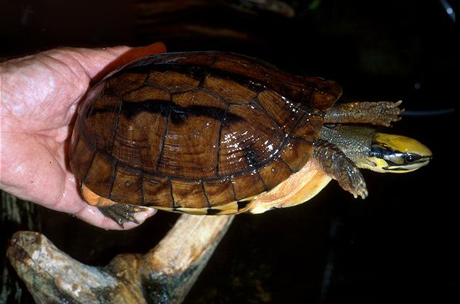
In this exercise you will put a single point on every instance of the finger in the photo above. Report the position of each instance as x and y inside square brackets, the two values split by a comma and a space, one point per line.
[98, 62]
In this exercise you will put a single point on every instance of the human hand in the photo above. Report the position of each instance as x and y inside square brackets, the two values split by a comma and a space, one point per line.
[39, 97]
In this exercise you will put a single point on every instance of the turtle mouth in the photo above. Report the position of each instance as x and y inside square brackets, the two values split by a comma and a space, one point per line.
[387, 160]
[408, 166]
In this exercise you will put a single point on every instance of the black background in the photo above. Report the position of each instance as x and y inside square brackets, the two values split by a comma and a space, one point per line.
[397, 245]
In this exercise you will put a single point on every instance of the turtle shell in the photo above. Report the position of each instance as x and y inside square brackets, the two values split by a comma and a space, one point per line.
[184, 131]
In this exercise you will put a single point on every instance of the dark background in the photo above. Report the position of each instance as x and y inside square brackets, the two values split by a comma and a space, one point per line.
[397, 245]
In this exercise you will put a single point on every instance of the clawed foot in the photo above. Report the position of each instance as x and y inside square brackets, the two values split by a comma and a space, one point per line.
[381, 113]
[339, 167]
[122, 213]
[354, 183]
[385, 112]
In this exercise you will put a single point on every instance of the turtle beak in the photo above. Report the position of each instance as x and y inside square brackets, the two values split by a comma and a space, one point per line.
[397, 154]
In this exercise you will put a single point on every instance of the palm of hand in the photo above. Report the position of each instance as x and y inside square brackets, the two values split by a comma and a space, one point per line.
[39, 98]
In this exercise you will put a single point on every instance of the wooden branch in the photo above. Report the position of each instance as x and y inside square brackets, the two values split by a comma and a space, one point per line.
[164, 275]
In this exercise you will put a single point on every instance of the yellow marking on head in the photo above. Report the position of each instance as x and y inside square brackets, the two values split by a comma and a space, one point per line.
[402, 143]
[375, 164]
[395, 154]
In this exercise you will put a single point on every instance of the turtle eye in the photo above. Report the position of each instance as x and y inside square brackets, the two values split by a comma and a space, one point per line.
[411, 158]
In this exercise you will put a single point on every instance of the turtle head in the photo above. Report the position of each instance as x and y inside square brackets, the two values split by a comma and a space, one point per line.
[396, 154]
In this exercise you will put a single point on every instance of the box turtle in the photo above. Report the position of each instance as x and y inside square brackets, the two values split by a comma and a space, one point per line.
[220, 133]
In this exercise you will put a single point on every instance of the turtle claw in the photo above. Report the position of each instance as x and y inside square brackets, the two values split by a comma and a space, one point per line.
[361, 192]
[387, 112]
[122, 213]
[339, 167]
[355, 183]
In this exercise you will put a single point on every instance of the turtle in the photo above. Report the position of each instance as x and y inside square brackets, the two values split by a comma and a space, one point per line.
[213, 133]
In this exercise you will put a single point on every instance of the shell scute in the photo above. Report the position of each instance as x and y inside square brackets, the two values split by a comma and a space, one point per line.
[126, 180]
[100, 174]
[188, 194]
[126, 82]
[248, 185]
[228, 90]
[249, 142]
[172, 81]
[219, 192]
[157, 191]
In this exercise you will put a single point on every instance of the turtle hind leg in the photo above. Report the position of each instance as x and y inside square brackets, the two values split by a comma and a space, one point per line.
[118, 212]
[121, 213]
[381, 113]
[339, 167]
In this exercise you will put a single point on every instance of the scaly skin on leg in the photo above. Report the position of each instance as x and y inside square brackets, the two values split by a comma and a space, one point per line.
[381, 113]
[339, 167]
[120, 213]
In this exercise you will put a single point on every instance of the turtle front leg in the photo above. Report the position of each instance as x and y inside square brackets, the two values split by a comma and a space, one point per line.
[339, 167]
[381, 113]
